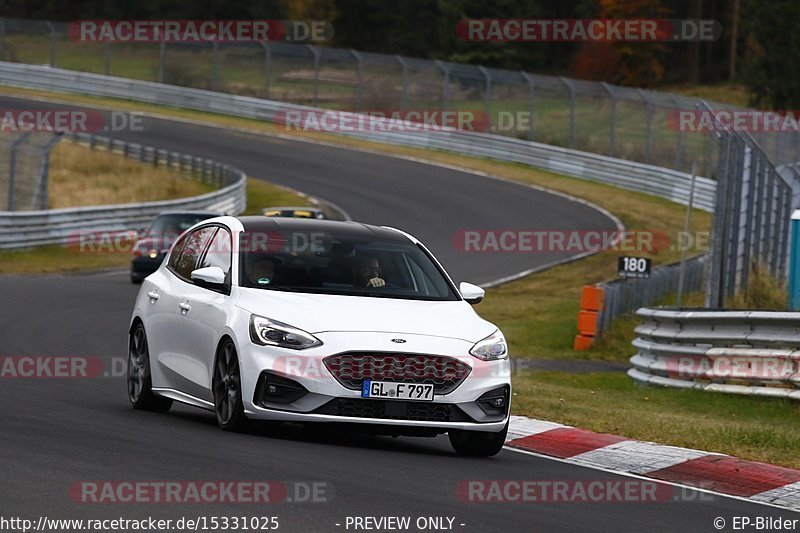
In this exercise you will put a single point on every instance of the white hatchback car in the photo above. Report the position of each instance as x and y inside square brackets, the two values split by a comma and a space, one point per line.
[318, 321]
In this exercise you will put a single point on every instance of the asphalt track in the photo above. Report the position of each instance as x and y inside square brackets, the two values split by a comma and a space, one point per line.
[56, 432]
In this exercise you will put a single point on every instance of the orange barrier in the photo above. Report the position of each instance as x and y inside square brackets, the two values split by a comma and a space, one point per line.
[592, 299]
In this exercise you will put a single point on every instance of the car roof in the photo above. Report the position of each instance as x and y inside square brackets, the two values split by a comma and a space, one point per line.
[262, 224]
[189, 213]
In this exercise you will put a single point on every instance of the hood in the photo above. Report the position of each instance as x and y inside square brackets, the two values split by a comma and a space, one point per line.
[318, 313]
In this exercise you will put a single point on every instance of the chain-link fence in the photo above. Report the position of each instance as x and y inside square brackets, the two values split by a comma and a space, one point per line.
[756, 172]
[622, 122]
[24, 162]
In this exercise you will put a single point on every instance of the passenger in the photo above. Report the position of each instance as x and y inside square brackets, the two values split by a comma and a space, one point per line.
[366, 273]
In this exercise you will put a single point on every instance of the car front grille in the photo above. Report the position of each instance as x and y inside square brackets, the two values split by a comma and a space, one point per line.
[444, 373]
[394, 410]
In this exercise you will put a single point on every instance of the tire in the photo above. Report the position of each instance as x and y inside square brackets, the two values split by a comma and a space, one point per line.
[138, 379]
[137, 279]
[478, 443]
[227, 389]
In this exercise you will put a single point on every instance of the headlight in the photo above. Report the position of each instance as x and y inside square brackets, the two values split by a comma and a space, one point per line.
[268, 332]
[491, 348]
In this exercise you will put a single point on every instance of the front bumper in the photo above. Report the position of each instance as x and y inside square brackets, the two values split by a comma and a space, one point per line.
[304, 390]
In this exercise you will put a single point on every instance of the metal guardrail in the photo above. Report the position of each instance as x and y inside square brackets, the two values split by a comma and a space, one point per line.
[738, 352]
[25, 229]
[650, 179]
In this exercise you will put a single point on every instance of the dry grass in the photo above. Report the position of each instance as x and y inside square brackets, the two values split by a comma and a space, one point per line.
[80, 176]
[763, 291]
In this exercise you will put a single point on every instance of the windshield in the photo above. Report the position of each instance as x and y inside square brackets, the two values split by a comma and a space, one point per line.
[327, 263]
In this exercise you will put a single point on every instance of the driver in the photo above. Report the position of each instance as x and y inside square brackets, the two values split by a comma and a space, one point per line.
[366, 273]
[261, 270]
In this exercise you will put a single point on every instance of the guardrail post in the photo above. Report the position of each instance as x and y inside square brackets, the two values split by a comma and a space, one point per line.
[316, 54]
[267, 67]
[612, 127]
[404, 90]
[531, 99]
[359, 80]
[445, 84]
[12, 163]
[52, 42]
[571, 90]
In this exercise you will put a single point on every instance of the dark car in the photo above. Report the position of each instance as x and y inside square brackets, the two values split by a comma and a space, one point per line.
[152, 245]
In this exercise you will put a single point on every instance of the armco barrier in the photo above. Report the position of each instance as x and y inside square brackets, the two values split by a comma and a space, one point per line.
[640, 177]
[739, 352]
[23, 229]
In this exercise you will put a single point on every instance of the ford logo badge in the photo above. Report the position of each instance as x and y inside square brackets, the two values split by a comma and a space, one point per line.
[399, 341]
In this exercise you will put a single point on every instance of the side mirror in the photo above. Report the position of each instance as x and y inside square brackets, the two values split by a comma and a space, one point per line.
[471, 293]
[209, 275]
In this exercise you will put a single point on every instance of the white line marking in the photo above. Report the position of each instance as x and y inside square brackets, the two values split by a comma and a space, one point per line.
[787, 495]
[638, 457]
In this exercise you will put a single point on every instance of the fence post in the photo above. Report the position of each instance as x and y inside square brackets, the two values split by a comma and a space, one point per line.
[2, 38]
[107, 58]
[52, 42]
[214, 65]
[445, 84]
[648, 139]
[162, 58]
[571, 89]
[267, 67]
[12, 163]
[44, 172]
[687, 223]
[679, 146]
[359, 80]
[531, 96]
[612, 127]
[487, 95]
[315, 53]
[404, 94]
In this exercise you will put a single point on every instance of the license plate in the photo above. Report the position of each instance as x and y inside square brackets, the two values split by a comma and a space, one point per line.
[396, 391]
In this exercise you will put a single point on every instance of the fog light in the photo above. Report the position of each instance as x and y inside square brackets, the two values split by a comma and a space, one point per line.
[497, 402]
[272, 389]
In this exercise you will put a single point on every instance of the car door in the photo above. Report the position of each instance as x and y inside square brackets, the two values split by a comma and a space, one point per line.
[205, 315]
[176, 370]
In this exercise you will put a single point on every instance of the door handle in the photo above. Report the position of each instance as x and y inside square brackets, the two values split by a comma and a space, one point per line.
[153, 295]
[185, 307]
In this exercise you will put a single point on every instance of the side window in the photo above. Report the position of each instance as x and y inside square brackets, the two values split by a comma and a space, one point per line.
[195, 243]
[219, 252]
[176, 253]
